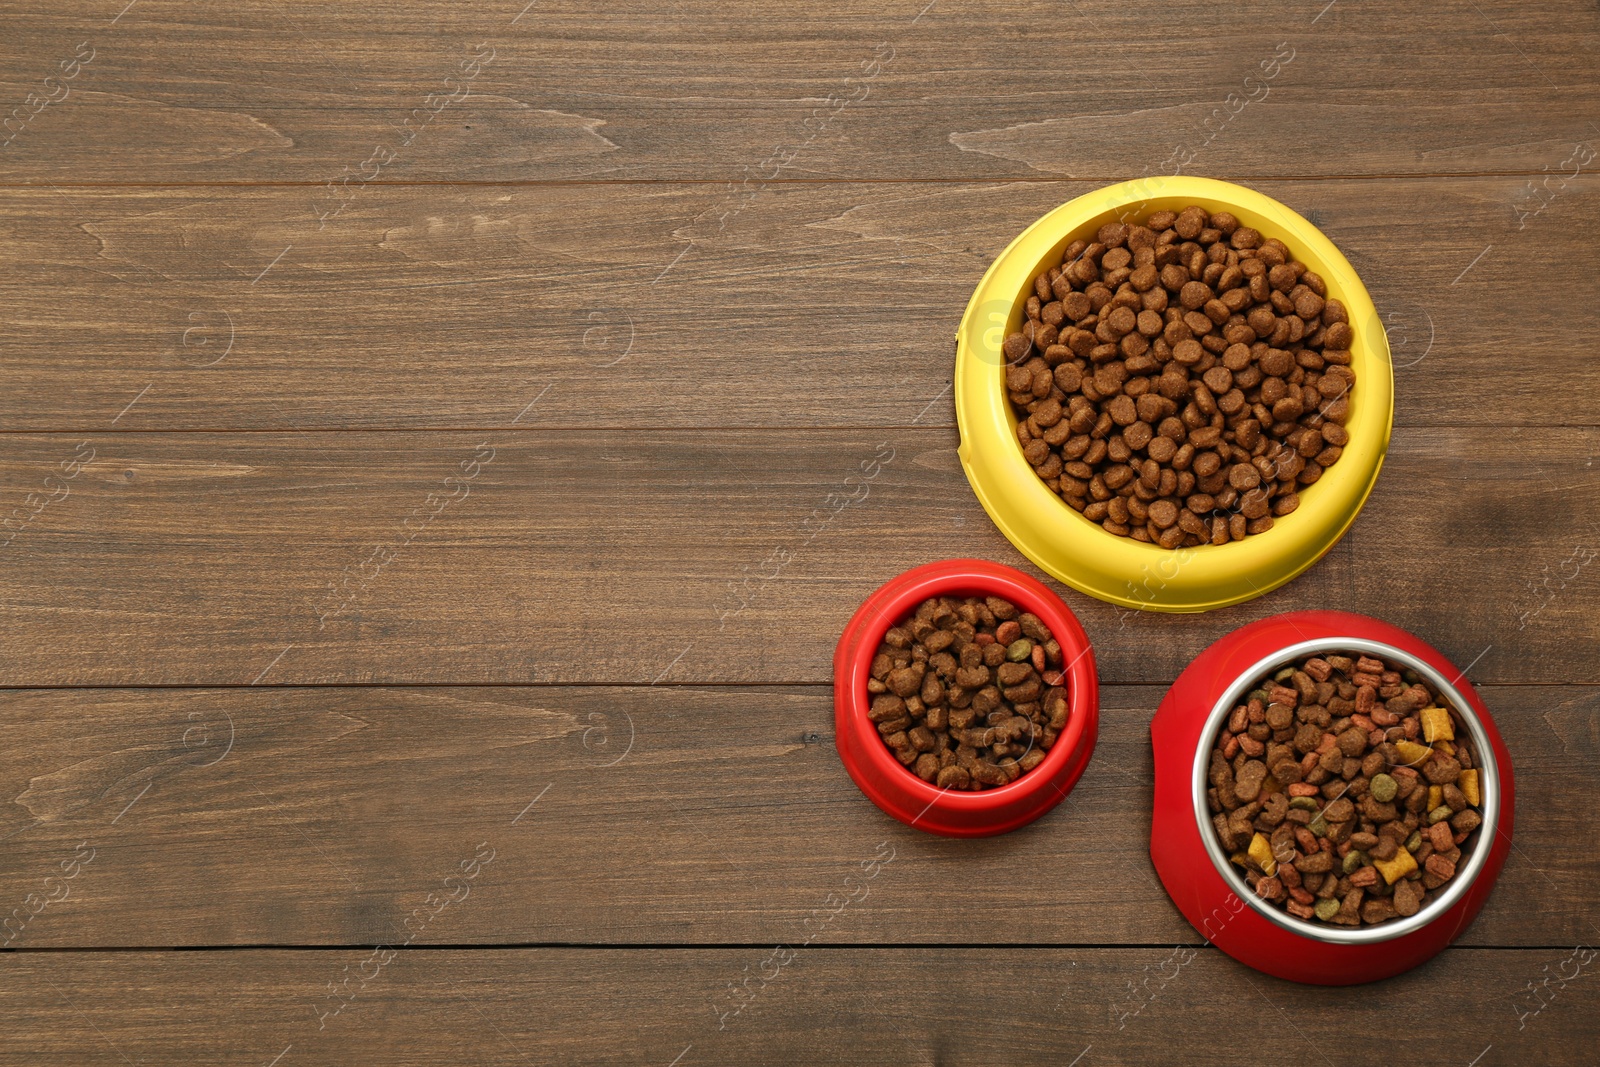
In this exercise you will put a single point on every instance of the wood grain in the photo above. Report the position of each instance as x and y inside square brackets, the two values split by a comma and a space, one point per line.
[640, 815]
[424, 517]
[683, 89]
[828, 1006]
[726, 557]
[684, 305]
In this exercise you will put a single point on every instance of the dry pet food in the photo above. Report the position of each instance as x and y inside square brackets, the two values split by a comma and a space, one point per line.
[1181, 381]
[967, 693]
[1343, 789]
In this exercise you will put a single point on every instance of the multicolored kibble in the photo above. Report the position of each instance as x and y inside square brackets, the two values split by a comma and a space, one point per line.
[1342, 789]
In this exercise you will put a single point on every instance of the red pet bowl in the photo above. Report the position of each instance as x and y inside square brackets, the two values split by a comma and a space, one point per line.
[897, 790]
[1208, 889]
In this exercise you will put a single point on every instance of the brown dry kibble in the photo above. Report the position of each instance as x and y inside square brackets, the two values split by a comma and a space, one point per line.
[1345, 806]
[967, 692]
[1407, 898]
[1179, 382]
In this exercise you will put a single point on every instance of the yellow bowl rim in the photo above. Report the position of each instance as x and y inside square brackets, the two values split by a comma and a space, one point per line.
[1076, 551]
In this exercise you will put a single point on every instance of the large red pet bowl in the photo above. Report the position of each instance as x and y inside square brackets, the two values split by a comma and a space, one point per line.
[897, 790]
[1209, 890]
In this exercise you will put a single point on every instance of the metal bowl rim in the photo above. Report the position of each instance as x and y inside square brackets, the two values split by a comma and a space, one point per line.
[1483, 759]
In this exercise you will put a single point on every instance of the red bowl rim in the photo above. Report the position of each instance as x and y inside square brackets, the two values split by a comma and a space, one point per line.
[1476, 853]
[1178, 851]
[895, 600]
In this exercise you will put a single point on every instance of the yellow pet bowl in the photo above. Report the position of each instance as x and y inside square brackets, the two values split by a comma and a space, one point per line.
[1077, 551]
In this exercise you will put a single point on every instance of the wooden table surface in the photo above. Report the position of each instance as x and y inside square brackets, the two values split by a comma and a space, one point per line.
[415, 616]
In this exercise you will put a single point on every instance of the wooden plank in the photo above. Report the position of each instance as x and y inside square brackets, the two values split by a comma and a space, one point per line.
[565, 556]
[827, 1006]
[691, 89]
[426, 307]
[639, 815]
[547, 428]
